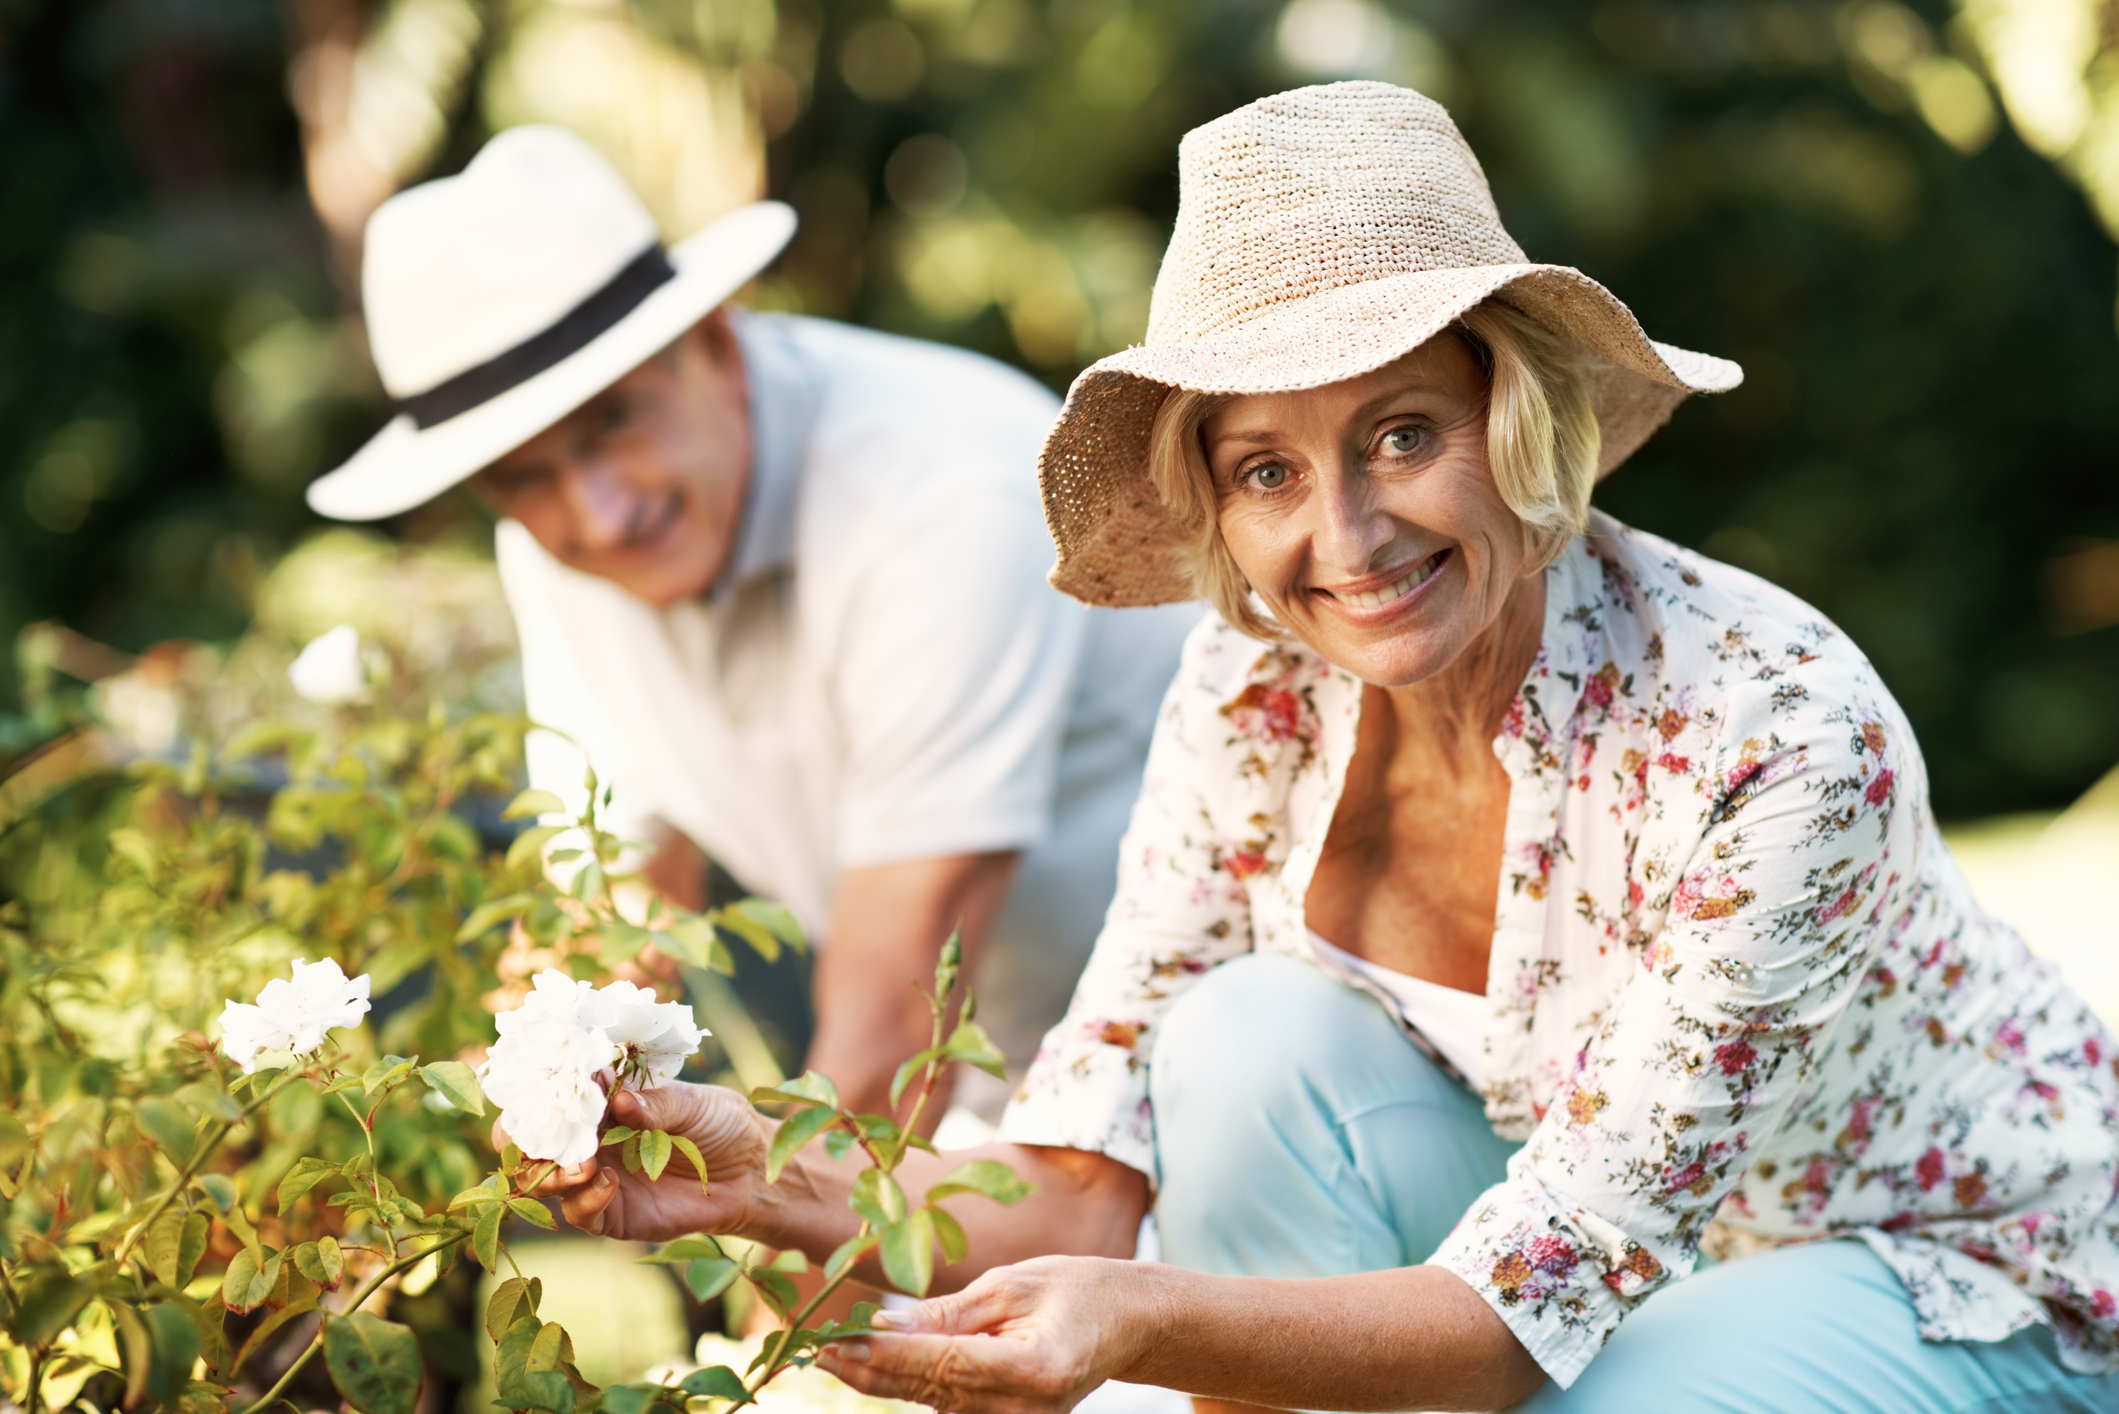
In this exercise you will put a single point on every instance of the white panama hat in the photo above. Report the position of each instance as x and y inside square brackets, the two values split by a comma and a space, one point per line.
[501, 300]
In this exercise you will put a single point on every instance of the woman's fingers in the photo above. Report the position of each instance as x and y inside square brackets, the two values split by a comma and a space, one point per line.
[971, 1374]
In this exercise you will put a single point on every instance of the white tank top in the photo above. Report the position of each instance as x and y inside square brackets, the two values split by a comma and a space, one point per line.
[1454, 1022]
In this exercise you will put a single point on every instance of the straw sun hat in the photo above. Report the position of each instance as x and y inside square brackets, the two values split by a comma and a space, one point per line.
[500, 300]
[1321, 234]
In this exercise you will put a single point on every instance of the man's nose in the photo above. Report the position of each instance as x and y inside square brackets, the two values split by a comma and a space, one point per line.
[599, 503]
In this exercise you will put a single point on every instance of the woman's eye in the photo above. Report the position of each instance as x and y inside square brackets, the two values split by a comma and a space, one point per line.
[1402, 441]
[1269, 477]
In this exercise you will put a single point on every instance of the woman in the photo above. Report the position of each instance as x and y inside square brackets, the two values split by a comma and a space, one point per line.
[1734, 992]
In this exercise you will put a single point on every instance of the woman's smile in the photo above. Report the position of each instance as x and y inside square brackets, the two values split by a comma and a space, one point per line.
[1362, 597]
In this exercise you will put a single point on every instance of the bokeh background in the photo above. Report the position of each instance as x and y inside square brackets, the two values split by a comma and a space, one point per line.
[1899, 218]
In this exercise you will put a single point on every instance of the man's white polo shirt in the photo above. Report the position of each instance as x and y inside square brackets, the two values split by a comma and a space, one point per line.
[883, 674]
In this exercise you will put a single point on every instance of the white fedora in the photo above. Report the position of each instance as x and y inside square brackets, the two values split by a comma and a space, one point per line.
[500, 300]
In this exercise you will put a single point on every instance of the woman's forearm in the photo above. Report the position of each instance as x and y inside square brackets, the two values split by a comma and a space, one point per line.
[1082, 1204]
[1411, 1338]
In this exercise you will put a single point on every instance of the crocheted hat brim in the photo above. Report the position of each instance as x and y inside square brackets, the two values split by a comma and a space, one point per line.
[1117, 544]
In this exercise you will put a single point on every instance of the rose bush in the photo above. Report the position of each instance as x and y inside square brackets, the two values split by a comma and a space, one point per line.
[216, 1204]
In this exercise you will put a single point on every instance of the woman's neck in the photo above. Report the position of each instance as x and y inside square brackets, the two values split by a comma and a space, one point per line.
[1464, 705]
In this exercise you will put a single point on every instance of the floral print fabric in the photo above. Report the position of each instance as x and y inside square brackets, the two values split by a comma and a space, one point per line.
[1735, 973]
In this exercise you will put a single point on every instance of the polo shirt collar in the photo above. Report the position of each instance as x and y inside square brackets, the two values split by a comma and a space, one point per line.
[781, 402]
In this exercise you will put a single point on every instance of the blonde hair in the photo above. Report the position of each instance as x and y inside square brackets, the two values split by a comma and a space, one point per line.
[1542, 440]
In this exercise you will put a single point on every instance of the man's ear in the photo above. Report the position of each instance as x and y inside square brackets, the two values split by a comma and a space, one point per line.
[716, 339]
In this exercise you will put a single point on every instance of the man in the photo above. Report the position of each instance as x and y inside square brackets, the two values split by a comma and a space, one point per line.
[780, 579]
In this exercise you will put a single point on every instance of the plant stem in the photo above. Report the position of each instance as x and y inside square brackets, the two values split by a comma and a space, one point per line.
[208, 1143]
[36, 1378]
[359, 1297]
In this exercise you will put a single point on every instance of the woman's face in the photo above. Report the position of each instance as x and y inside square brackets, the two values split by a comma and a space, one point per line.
[1365, 513]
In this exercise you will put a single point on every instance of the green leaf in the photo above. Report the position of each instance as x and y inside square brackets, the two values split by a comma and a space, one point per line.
[773, 1288]
[912, 1067]
[136, 1351]
[500, 910]
[837, 1143]
[715, 1382]
[165, 1124]
[708, 1277]
[197, 1227]
[518, 1386]
[693, 1157]
[623, 941]
[908, 1252]
[534, 802]
[305, 1175]
[654, 1153]
[950, 1234]
[990, 1177]
[15, 1143]
[457, 1083]
[210, 1101]
[777, 920]
[321, 1261]
[174, 1336]
[220, 1189]
[640, 1399]
[795, 1131]
[163, 1246]
[852, 1250]
[616, 1134]
[970, 1044]
[809, 1088]
[685, 1249]
[691, 940]
[877, 1197]
[750, 930]
[485, 1238]
[386, 1074]
[239, 1223]
[532, 1212]
[248, 1281]
[513, 1300]
[48, 1302]
[373, 1362]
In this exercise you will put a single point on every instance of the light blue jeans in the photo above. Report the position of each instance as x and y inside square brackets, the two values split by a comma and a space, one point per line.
[1301, 1135]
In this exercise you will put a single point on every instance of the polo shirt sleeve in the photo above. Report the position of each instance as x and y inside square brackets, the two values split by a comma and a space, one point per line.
[954, 665]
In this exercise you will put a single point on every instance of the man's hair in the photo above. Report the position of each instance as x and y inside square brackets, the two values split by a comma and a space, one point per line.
[1542, 441]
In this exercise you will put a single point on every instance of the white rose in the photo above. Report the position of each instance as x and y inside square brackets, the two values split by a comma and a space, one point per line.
[329, 670]
[293, 1014]
[658, 1037]
[543, 1071]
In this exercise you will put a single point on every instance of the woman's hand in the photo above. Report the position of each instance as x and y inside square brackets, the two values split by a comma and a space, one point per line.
[1033, 1338]
[602, 1198]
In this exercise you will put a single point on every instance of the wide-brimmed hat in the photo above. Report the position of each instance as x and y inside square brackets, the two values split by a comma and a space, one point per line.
[500, 300]
[1321, 234]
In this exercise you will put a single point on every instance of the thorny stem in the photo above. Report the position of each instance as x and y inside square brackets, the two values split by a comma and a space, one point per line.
[359, 1298]
[786, 1335]
[204, 1150]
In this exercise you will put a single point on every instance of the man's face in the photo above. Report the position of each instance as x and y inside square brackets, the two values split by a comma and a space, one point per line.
[643, 484]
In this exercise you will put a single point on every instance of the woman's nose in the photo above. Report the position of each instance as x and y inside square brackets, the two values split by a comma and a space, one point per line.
[1351, 528]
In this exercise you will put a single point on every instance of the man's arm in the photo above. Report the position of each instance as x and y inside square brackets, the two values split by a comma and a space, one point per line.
[889, 922]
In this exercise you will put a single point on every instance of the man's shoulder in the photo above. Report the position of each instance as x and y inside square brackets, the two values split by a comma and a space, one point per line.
[894, 380]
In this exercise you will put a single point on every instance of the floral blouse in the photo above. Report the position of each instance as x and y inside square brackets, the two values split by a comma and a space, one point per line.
[1735, 972]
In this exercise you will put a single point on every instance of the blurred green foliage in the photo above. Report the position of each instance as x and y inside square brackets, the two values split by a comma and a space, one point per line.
[1827, 192]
